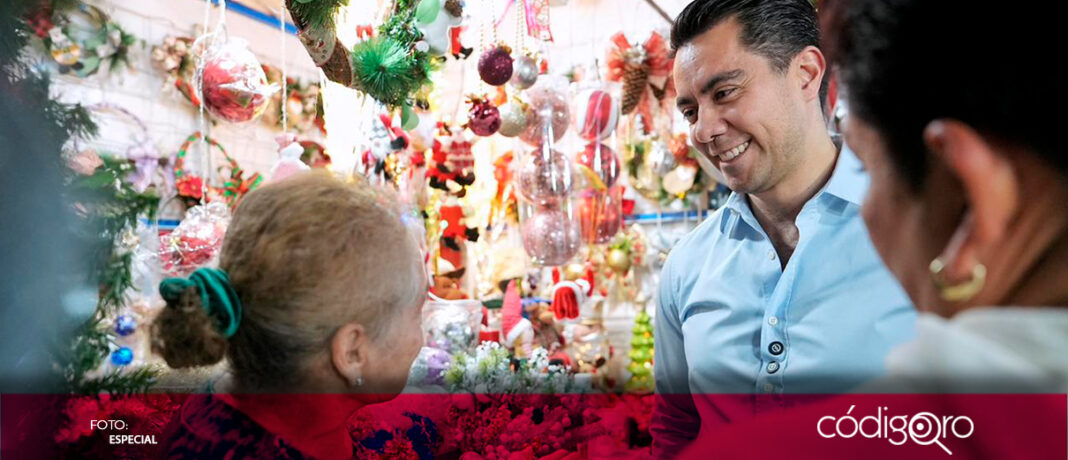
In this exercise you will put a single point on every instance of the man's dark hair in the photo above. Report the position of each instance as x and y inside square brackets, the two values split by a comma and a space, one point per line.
[998, 68]
[775, 29]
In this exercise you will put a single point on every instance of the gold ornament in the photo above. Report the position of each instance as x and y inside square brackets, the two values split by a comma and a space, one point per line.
[618, 260]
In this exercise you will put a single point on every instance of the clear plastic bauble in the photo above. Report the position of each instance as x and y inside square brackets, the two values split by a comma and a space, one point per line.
[600, 214]
[452, 325]
[551, 235]
[595, 112]
[231, 82]
[549, 114]
[601, 161]
[545, 176]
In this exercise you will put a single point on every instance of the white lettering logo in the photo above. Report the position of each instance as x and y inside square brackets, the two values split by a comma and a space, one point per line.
[923, 428]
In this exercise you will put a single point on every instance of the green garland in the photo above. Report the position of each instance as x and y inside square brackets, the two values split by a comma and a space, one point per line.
[317, 14]
[388, 67]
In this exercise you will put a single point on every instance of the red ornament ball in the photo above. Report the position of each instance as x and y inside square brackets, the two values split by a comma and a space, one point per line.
[484, 118]
[602, 160]
[495, 66]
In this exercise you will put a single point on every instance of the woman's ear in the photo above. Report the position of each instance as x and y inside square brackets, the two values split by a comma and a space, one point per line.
[991, 189]
[349, 351]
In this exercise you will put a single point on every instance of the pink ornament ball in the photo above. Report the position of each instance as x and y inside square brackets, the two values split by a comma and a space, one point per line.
[549, 116]
[545, 176]
[550, 236]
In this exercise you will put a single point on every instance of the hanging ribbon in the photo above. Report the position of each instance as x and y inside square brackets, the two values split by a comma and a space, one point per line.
[653, 58]
[537, 14]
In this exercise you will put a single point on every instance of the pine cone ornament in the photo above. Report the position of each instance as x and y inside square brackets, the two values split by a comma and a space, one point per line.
[634, 80]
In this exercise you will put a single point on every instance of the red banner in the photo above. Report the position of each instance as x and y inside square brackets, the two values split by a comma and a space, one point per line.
[538, 426]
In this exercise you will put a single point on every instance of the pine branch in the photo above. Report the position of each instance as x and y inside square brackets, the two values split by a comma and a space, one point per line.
[315, 14]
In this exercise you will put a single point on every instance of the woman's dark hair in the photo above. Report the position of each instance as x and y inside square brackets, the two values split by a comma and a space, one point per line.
[997, 67]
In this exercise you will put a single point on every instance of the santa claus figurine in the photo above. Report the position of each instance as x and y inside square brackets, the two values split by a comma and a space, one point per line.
[517, 332]
[571, 298]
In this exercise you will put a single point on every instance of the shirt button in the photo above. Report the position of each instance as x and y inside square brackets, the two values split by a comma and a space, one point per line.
[768, 388]
[776, 348]
[773, 320]
[773, 367]
[771, 254]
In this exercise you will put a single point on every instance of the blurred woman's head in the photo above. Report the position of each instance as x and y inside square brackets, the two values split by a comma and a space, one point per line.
[949, 110]
[332, 286]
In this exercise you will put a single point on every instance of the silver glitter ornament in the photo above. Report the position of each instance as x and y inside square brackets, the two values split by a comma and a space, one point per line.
[524, 73]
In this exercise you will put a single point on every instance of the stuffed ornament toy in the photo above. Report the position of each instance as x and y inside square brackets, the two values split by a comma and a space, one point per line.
[289, 152]
[570, 298]
[435, 19]
[517, 331]
[453, 163]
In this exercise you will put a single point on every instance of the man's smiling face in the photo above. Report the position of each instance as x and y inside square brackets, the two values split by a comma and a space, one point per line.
[745, 116]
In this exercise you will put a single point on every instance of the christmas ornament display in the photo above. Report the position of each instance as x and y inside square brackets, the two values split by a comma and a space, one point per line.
[595, 113]
[602, 162]
[125, 325]
[545, 176]
[550, 234]
[495, 65]
[524, 72]
[484, 119]
[549, 115]
[231, 82]
[513, 118]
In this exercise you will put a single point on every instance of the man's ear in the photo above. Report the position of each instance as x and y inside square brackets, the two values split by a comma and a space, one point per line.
[991, 189]
[810, 66]
[349, 351]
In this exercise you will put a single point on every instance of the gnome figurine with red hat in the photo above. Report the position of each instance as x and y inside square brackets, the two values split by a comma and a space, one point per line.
[517, 332]
[570, 298]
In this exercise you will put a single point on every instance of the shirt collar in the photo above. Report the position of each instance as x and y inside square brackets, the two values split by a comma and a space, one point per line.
[848, 182]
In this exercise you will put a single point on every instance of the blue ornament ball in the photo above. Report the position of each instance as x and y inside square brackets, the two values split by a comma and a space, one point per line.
[122, 356]
[125, 325]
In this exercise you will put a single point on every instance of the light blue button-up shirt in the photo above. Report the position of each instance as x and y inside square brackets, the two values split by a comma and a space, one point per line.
[731, 320]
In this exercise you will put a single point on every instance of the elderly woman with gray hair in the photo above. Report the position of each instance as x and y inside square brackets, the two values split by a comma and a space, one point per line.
[316, 305]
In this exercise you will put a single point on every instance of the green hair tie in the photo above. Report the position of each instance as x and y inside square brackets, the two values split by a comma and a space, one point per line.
[217, 296]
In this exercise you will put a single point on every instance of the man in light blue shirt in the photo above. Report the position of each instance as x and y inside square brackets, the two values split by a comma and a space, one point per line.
[780, 291]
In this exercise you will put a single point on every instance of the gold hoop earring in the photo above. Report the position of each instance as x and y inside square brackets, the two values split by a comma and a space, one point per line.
[957, 292]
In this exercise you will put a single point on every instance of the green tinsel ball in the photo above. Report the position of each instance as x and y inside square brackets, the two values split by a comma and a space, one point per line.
[385, 70]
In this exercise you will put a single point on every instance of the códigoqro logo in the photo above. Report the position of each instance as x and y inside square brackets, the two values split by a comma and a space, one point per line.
[923, 428]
